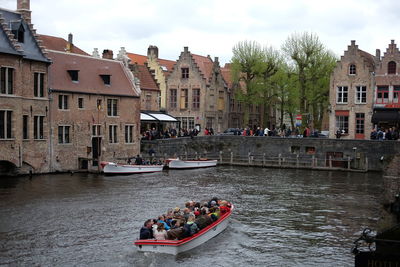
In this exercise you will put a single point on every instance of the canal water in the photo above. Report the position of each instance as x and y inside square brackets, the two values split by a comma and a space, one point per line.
[281, 217]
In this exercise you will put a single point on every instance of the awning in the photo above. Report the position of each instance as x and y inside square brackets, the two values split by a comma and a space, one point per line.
[160, 117]
[380, 116]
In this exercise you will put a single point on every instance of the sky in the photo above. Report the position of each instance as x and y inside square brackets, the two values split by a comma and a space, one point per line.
[213, 27]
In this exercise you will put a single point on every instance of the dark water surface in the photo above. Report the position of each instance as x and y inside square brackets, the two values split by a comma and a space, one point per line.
[282, 217]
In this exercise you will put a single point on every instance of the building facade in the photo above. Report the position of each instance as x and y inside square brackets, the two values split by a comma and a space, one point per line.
[95, 111]
[24, 101]
[352, 94]
[197, 94]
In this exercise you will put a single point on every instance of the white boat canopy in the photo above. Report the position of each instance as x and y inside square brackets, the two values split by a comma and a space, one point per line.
[160, 117]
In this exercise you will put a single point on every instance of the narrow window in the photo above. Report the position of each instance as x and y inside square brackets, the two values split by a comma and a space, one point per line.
[360, 119]
[184, 99]
[185, 73]
[392, 67]
[342, 94]
[96, 130]
[5, 124]
[173, 97]
[128, 134]
[342, 123]
[62, 102]
[38, 127]
[352, 69]
[396, 93]
[80, 102]
[196, 98]
[38, 87]
[148, 102]
[191, 123]
[361, 94]
[6, 81]
[25, 129]
[112, 107]
[221, 101]
[112, 132]
[64, 134]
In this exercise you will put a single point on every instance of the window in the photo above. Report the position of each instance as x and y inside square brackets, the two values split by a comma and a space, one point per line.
[392, 67]
[74, 74]
[19, 33]
[352, 69]
[38, 79]
[63, 134]
[172, 100]
[6, 80]
[96, 130]
[184, 99]
[209, 122]
[221, 100]
[361, 94]
[25, 129]
[396, 93]
[80, 102]
[38, 127]
[62, 102]
[310, 150]
[360, 119]
[5, 124]
[191, 123]
[106, 79]
[382, 95]
[148, 102]
[185, 73]
[196, 98]
[231, 104]
[184, 123]
[341, 96]
[342, 123]
[112, 133]
[112, 107]
[128, 134]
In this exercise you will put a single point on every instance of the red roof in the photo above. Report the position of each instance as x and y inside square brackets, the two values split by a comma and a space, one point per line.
[205, 65]
[227, 75]
[141, 60]
[59, 44]
[89, 71]
[147, 81]
[137, 59]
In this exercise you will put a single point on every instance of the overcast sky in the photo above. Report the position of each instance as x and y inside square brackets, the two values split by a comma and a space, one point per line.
[213, 27]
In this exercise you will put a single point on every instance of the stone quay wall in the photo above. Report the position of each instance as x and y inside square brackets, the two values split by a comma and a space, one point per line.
[359, 155]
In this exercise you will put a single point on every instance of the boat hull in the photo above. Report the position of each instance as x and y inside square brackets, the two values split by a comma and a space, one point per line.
[112, 168]
[190, 164]
[177, 246]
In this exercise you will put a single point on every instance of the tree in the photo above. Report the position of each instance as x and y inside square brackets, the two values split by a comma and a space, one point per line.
[312, 63]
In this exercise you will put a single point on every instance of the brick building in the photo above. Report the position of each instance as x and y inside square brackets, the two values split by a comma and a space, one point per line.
[351, 94]
[24, 102]
[197, 94]
[364, 92]
[94, 111]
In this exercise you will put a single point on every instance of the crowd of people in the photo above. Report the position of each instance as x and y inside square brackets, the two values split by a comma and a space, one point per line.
[168, 133]
[391, 133]
[177, 224]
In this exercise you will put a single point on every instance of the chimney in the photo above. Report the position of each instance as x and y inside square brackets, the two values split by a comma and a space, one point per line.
[70, 45]
[108, 54]
[185, 49]
[95, 53]
[353, 42]
[23, 7]
[378, 54]
[216, 59]
[152, 51]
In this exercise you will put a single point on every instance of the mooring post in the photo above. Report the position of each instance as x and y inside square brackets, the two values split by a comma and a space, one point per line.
[186, 155]
[330, 162]
[297, 160]
[220, 157]
[348, 163]
[231, 158]
[195, 154]
[249, 157]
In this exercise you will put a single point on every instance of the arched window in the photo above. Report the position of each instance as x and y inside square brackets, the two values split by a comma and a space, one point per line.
[352, 69]
[392, 67]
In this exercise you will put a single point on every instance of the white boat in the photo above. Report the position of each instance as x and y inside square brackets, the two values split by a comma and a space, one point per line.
[176, 163]
[114, 168]
[177, 246]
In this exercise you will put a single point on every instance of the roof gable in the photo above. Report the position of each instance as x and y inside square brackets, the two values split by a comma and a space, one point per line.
[147, 81]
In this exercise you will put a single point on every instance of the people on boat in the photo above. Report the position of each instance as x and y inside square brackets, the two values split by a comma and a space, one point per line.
[146, 231]
[161, 219]
[138, 160]
[160, 233]
[190, 227]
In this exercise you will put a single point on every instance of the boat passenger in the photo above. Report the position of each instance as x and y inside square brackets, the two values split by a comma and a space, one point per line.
[186, 213]
[176, 233]
[224, 208]
[161, 219]
[190, 227]
[146, 231]
[138, 160]
[213, 214]
[160, 233]
[203, 220]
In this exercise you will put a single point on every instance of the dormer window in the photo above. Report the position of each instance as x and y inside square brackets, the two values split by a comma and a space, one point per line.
[185, 73]
[392, 67]
[106, 79]
[74, 75]
[352, 69]
[19, 33]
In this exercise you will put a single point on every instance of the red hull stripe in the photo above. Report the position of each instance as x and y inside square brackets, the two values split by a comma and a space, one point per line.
[187, 239]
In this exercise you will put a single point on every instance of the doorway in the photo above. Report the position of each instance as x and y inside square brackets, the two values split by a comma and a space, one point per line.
[96, 150]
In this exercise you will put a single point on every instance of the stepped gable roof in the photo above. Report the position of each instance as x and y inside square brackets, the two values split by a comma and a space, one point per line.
[227, 75]
[89, 70]
[166, 65]
[205, 65]
[147, 81]
[59, 44]
[30, 47]
[368, 57]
